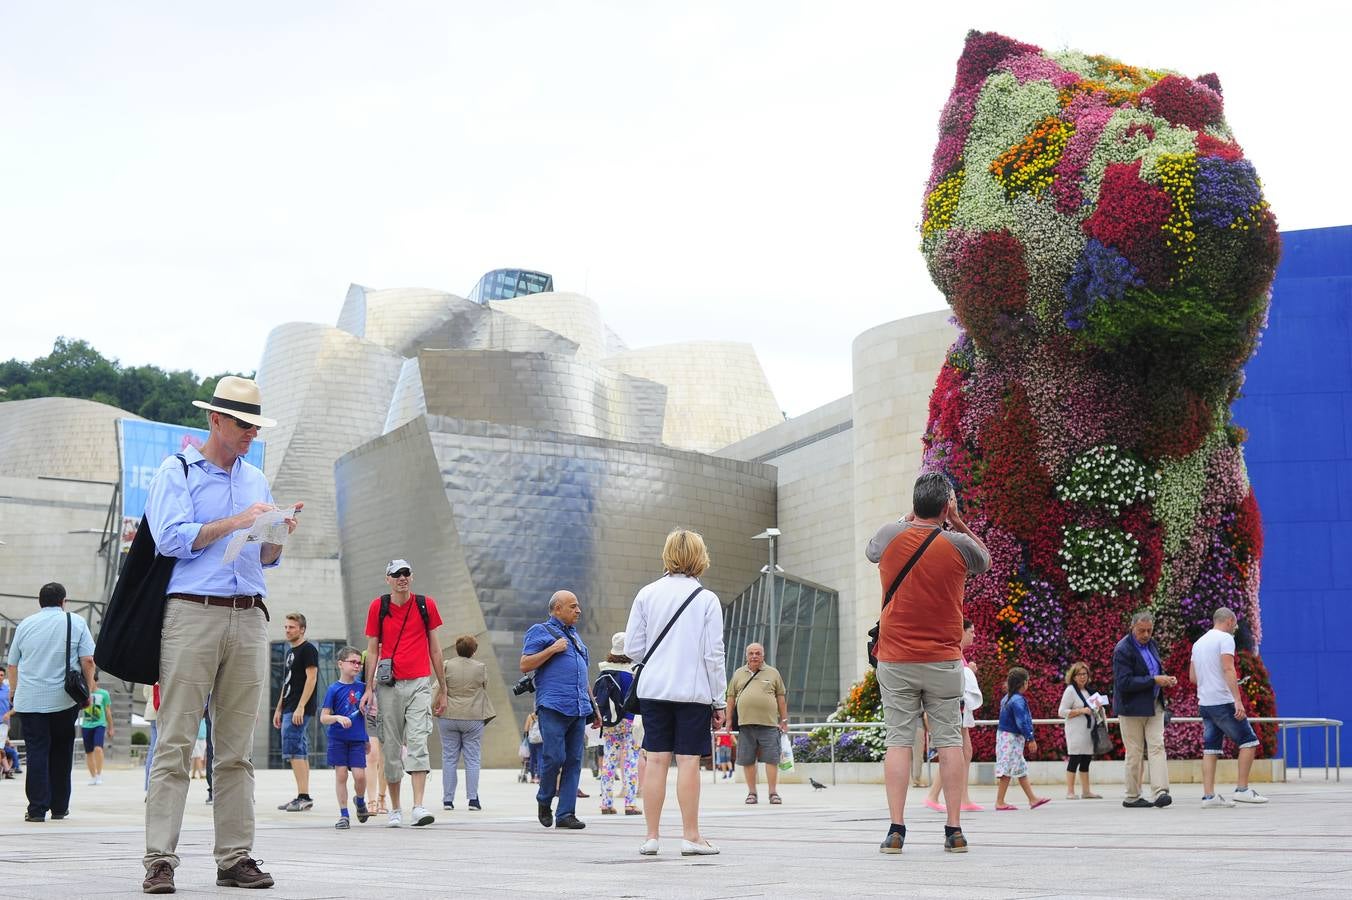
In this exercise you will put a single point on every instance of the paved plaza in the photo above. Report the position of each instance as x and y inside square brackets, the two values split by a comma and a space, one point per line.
[818, 844]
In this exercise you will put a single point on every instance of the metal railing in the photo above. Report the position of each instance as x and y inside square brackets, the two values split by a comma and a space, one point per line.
[1284, 725]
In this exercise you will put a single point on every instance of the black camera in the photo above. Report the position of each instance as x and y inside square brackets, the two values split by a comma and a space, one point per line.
[525, 686]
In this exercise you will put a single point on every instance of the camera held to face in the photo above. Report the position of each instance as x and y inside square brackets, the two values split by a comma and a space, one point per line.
[524, 686]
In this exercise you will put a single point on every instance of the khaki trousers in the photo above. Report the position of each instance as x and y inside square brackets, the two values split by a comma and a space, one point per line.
[1143, 737]
[222, 652]
[405, 710]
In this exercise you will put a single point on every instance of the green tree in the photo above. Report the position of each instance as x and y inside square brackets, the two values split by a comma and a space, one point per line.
[75, 369]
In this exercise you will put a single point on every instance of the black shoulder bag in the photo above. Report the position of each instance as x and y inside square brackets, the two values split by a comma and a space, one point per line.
[872, 646]
[631, 698]
[76, 686]
[129, 636]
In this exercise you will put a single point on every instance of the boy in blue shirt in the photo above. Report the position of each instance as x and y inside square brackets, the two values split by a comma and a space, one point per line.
[341, 711]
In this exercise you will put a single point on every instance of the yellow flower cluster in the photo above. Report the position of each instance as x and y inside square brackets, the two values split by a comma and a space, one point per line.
[1252, 220]
[1026, 168]
[1178, 177]
[1112, 96]
[942, 203]
[1004, 647]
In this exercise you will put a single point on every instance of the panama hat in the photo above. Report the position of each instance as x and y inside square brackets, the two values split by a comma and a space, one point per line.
[238, 397]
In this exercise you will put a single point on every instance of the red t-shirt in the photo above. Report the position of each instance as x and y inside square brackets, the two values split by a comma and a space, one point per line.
[404, 640]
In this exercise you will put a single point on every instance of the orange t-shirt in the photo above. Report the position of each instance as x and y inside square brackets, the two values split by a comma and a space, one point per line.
[923, 623]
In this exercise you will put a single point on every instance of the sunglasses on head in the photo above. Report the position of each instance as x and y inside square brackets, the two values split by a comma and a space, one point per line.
[402, 573]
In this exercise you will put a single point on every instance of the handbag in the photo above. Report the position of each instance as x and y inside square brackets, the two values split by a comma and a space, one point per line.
[631, 698]
[872, 645]
[129, 638]
[76, 686]
[1098, 727]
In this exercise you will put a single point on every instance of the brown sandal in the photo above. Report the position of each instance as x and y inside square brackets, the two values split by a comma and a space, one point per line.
[775, 800]
[752, 799]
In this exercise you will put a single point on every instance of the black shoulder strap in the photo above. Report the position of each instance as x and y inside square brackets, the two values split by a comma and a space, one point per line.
[568, 637]
[649, 655]
[422, 608]
[67, 660]
[184, 462]
[380, 622]
[1090, 717]
[905, 570]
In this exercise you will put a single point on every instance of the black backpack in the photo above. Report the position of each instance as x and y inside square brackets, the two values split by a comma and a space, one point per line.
[609, 699]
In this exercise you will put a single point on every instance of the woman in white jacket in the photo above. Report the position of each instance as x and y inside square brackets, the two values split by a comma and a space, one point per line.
[682, 684]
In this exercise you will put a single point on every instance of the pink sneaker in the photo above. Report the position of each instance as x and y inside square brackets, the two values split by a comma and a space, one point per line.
[937, 807]
[972, 807]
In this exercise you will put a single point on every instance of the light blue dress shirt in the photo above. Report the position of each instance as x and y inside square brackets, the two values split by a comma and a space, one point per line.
[177, 509]
[39, 649]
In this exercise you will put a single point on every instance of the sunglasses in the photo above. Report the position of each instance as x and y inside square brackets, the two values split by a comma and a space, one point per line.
[402, 573]
[243, 425]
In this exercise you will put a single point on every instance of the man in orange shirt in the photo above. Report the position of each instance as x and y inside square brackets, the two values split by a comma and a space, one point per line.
[924, 560]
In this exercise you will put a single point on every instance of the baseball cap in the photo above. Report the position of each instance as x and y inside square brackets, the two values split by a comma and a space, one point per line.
[396, 564]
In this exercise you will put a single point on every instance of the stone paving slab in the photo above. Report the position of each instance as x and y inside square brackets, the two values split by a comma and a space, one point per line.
[818, 844]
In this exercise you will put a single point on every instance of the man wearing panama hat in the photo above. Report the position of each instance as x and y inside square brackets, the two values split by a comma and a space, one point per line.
[214, 640]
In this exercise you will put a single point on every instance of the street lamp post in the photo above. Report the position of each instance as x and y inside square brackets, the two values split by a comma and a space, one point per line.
[769, 572]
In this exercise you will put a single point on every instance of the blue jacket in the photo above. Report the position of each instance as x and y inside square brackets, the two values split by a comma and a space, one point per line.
[1133, 685]
[1015, 716]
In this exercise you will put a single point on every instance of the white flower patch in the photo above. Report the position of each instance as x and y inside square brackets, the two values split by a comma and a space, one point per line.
[1100, 560]
[1109, 478]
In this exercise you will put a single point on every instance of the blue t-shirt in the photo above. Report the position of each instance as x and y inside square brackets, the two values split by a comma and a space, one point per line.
[343, 700]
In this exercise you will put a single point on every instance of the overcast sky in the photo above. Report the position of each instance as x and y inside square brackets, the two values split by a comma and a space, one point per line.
[179, 179]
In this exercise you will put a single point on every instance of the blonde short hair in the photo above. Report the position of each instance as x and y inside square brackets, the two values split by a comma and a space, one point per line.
[684, 553]
[1075, 667]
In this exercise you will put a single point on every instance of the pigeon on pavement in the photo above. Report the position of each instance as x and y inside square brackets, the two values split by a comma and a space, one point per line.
[816, 785]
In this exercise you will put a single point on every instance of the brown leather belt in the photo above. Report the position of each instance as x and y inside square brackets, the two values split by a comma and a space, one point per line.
[236, 601]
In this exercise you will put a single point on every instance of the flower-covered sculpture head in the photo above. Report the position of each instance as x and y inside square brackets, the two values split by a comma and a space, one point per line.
[1107, 251]
[1076, 197]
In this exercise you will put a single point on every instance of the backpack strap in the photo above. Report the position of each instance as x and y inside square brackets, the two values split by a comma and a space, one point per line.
[421, 600]
[906, 569]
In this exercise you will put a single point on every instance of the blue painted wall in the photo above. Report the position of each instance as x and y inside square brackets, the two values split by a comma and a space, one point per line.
[1297, 407]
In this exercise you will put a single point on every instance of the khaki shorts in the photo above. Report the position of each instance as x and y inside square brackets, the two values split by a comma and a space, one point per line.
[908, 689]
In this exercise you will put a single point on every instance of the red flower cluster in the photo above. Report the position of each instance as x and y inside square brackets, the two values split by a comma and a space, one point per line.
[1014, 488]
[1129, 217]
[1185, 102]
[985, 51]
[989, 285]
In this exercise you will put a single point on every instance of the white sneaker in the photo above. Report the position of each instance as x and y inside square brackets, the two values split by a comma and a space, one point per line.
[1248, 795]
[1216, 801]
[93, 781]
[421, 817]
[704, 848]
[649, 847]
[396, 818]
[98, 779]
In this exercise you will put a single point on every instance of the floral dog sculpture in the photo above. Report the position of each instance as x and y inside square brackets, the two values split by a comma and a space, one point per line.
[1108, 254]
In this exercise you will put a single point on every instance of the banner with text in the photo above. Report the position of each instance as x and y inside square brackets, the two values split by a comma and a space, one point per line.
[144, 446]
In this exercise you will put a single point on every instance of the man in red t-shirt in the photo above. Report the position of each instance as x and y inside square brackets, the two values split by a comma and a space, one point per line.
[919, 644]
[404, 702]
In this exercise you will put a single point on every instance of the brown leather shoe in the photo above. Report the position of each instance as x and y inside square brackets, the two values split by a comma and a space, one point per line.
[244, 874]
[159, 880]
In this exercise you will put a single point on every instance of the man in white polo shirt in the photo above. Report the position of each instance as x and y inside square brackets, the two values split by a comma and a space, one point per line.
[1221, 706]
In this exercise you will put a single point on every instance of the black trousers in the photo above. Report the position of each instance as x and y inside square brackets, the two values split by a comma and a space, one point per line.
[49, 739]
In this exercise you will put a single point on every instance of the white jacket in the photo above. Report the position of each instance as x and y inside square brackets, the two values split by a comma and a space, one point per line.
[688, 665]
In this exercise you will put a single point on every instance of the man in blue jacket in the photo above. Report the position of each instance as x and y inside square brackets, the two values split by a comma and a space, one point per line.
[1139, 680]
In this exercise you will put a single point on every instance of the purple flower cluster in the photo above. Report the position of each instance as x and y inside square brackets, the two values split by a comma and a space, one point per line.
[1226, 191]
[1218, 582]
[1101, 273]
[1043, 617]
